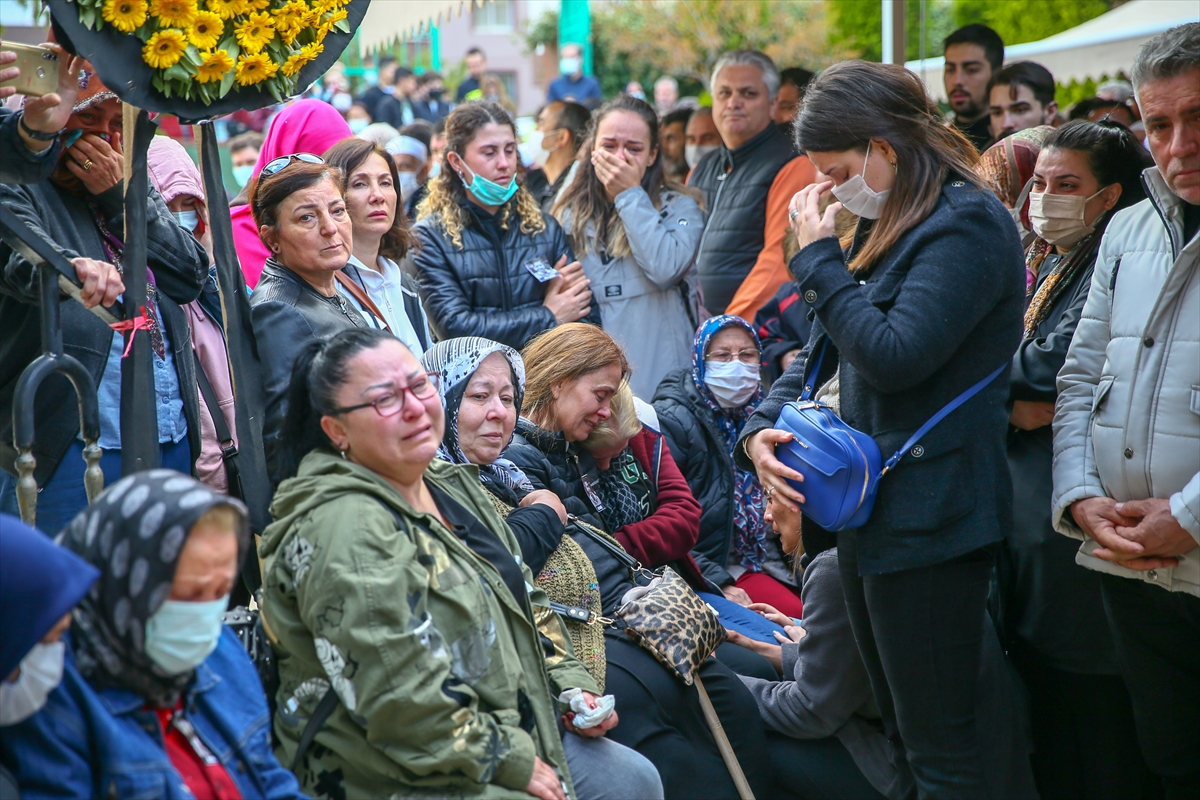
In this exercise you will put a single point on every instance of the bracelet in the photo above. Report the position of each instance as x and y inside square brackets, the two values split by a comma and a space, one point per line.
[38, 135]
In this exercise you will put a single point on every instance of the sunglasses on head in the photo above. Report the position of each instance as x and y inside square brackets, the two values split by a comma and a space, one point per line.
[281, 163]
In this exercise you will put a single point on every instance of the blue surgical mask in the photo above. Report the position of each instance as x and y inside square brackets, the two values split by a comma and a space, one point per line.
[488, 192]
[71, 137]
[188, 220]
[568, 66]
[358, 125]
[243, 174]
[180, 634]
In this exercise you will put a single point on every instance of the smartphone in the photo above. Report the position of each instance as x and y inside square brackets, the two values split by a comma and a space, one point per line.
[39, 69]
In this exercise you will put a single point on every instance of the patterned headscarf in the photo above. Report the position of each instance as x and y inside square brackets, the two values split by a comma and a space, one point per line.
[455, 361]
[134, 533]
[1008, 165]
[749, 530]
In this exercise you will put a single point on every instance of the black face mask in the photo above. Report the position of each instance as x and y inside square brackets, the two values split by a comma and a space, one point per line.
[436, 94]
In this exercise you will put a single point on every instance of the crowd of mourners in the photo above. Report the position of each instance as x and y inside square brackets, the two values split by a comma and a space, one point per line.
[499, 393]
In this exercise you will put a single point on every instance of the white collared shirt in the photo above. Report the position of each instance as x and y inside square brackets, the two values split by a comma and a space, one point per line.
[387, 292]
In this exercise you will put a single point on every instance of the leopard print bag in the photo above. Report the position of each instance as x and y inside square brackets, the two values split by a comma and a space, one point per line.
[665, 616]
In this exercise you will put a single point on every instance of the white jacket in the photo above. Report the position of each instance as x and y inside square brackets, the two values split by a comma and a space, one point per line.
[1127, 423]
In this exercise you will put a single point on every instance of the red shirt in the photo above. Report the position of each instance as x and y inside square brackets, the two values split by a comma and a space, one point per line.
[194, 762]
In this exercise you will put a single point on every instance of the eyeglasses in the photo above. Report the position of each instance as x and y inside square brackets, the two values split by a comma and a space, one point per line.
[279, 164]
[389, 405]
[725, 356]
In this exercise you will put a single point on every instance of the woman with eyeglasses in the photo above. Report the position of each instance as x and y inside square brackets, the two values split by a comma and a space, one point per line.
[491, 264]
[702, 411]
[391, 581]
[300, 210]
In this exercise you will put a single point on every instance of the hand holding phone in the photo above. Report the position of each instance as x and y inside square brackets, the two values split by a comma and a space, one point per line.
[36, 70]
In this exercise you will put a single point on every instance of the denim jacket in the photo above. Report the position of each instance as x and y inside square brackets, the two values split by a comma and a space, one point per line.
[105, 744]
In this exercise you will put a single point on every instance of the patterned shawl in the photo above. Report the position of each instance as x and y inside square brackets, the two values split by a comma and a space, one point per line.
[455, 361]
[134, 533]
[749, 532]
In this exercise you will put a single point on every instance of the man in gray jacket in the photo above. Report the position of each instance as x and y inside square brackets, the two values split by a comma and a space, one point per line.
[1127, 425]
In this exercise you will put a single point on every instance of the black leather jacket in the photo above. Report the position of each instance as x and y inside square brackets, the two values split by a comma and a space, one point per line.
[484, 288]
[287, 312]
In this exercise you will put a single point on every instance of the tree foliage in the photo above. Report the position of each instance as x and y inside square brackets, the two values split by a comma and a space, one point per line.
[641, 40]
[1019, 21]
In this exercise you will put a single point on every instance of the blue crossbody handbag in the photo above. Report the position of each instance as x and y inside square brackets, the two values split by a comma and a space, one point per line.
[842, 466]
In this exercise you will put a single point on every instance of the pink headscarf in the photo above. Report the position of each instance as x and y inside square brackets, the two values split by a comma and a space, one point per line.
[308, 126]
[172, 171]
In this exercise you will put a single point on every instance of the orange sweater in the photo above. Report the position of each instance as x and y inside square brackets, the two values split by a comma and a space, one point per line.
[769, 271]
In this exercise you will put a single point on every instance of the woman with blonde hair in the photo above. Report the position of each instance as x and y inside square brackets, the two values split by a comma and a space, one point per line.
[490, 263]
[639, 503]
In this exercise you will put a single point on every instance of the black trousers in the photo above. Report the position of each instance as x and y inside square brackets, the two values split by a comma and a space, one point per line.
[920, 633]
[816, 769]
[1157, 634]
[1084, 742]
[662, 719]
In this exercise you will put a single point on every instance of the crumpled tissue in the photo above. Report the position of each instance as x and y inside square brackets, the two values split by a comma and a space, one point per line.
[587, 717]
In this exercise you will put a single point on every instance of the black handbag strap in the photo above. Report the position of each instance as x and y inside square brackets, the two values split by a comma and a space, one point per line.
[617, 552]
[320, 714]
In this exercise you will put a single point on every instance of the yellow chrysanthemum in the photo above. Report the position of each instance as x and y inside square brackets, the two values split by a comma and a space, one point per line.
[165, 48]
[327, 26]
[298, 61]
[206, 30]
[125, 15]
[255, 5]
[174, 13]
[254, 32]
[225, 9]
[213, 66]
[252, 69]
[322, 7]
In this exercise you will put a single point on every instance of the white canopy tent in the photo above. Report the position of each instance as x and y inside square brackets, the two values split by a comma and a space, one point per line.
[387, 20]
[1101, 46]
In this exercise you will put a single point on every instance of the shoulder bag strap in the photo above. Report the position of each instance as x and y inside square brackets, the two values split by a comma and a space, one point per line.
[618, 552]
[938, 417]
[229, 449]
[324, 708]
[815, 374]
[359, 294]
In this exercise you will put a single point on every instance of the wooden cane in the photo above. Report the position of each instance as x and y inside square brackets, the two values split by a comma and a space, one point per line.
[718, 732]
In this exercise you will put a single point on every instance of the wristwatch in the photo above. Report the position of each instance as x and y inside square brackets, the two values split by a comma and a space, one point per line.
[38, 135]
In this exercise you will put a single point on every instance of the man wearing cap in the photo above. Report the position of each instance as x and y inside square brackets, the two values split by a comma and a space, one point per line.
[79, 210]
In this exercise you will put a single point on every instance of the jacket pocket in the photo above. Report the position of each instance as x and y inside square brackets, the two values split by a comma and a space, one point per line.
[1195, 401]
[932, 487]
[1103, 388]
[148, 783]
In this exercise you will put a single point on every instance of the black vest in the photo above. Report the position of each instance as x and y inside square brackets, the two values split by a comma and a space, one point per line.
[736, 184]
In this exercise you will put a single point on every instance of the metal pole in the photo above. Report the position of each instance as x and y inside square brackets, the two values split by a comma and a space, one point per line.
[893, 31]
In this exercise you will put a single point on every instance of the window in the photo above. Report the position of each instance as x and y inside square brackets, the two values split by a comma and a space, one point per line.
[494, 17]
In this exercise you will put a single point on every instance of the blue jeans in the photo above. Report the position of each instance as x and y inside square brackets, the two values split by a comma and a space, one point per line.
[63, 496]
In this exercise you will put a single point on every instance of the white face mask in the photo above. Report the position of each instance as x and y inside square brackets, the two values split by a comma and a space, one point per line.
[1015, 211]
[181, 634]
[1058, 218]
[860, 199]
[694, 152]
[732, 383]
[41, 672]
[408, 184]
[188, 220]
